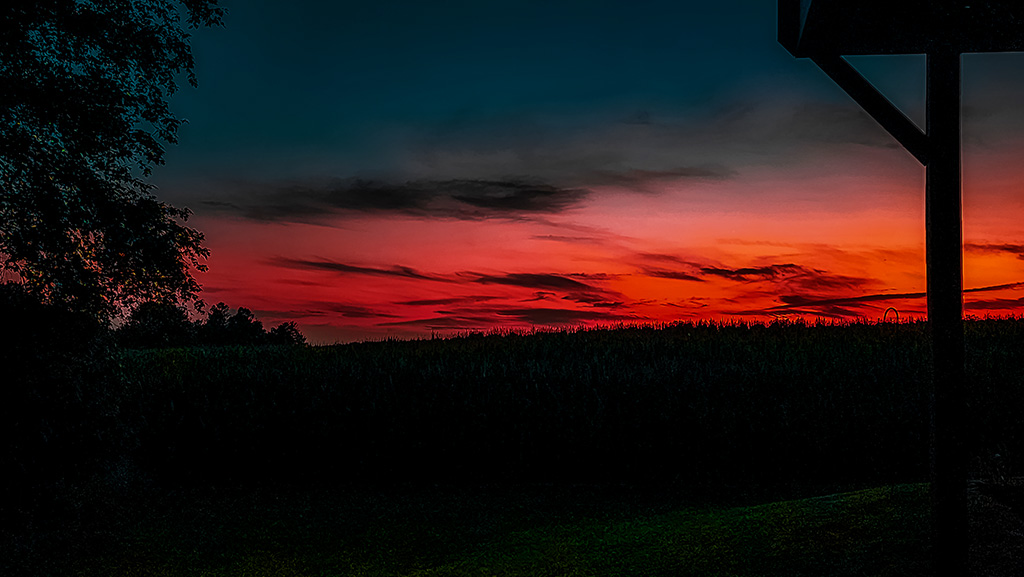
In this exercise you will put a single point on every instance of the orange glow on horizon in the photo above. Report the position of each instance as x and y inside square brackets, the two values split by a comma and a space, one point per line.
[764, 244]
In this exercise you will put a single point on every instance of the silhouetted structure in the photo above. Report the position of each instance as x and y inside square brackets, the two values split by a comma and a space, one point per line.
[824, 31]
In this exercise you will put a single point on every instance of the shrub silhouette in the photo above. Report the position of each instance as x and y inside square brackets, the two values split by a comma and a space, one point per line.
[156, 325]
[286, 333]
[244, 328]
[159, 324]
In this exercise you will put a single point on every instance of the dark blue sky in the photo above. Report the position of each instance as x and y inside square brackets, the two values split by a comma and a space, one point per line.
[366, 88]
[355, 87]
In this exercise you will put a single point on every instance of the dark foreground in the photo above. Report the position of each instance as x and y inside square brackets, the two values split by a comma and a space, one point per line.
[525, 530]
[536, 530]
[481, 455]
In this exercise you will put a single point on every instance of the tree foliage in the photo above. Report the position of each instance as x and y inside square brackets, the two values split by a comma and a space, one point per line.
[157, 324]
[160, 324]
[83, 120]
[286, 334]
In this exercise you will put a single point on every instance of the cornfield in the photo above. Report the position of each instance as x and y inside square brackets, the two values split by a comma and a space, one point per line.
[697, 404]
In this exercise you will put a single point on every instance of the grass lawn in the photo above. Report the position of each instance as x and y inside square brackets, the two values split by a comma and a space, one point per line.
[498, 531]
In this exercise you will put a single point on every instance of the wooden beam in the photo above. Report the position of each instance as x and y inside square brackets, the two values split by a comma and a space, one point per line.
[944, 258]
[878, 106]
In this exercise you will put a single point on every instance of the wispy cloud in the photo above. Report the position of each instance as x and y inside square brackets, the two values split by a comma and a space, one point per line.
[672, 274]
[757, 273]
[637, 178]
[444, 322]
[994, 304]
[536, 281]
[850, 306]
[355, 311]
[785, 275]
[462, 199]
[998, 287]
[315, 309]
[448, 301]
[665, 257]
[516, 316]
[691, 304]
[586, 240]
[558, 317]
[795, 301]
[546, 286]
[343, 268]
[647, 146]
[996, 248]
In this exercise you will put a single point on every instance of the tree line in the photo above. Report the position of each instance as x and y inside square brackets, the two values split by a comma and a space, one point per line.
[156, 324]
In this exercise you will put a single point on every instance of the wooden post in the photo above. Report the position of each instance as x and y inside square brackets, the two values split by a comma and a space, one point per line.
[943, 253]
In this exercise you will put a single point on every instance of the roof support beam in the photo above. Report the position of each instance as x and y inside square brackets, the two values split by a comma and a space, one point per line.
[877, 105]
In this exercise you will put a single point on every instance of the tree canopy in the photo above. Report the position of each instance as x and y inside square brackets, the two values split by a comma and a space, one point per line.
[84, 118]
[161, 324]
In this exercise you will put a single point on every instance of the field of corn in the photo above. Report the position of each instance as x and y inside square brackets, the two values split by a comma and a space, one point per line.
[700, 405]
[475, 455]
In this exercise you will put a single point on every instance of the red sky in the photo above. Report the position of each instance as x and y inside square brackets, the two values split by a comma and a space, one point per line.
[831, 238]
[394, 171]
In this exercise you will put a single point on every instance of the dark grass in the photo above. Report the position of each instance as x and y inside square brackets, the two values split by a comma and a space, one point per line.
[502, 531]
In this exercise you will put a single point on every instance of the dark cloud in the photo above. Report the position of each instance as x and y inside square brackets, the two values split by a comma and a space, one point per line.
[356, 312]
[550, 285]
[794, 304]
[662, 257]
[537, 281]
[448, 301]
[787, 276]
[835, 312]
[692, 303]
[596, 276]
[998, 287]
[994, 304]
[464, 199]
[793, 301]
[217, 204]
[540, 296]
[693, 272]
[444, 323]
[823, 281]
[636, 178]
[672, 274]
[1014, 249]
[792, 277]
[300, 282]
[716, 144]
[757, 273]
[551, 317]
[568, 239]
[322, 309]
[513, 197]
[593, 299]
[342, 268]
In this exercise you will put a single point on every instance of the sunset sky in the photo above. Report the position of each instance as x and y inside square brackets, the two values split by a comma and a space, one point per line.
[402, 168]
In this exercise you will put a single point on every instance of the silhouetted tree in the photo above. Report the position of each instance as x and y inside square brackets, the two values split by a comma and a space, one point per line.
[245, 329]
[83, 118]
[286, 333]
[214, 330]
[157, 324]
